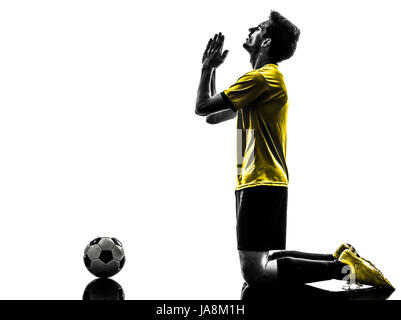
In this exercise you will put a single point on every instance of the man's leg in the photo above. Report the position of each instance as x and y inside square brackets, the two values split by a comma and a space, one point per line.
[258, 270]
[275, 254]
[261, 227]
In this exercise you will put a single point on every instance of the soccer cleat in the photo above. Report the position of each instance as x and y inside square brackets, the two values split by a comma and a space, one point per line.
[348, 246]
[343, 247]
[362, 272]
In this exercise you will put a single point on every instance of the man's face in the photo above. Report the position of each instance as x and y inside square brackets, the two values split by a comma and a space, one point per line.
[255, 37]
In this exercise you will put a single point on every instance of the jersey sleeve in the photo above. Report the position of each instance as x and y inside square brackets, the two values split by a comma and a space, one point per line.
[245, 91]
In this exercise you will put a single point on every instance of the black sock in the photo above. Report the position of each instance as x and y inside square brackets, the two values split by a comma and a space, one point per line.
[297, 270]
[302, 255]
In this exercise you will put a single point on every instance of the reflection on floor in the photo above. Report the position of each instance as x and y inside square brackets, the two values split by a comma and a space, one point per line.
[107, 289]
[310, 292]
[103, 289]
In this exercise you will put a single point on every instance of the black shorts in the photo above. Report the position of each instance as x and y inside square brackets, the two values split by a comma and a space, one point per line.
[261, 218]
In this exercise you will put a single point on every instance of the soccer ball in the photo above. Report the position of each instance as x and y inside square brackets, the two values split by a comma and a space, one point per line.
[104, 257]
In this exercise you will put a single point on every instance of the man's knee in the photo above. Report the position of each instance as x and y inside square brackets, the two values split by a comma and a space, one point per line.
[255, 269]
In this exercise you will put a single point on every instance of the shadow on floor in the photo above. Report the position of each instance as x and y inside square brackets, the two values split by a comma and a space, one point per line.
[308, 292]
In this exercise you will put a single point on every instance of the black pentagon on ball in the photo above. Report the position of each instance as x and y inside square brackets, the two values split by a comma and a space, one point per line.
[95, 241]
[106, 256]
[116, 242]
[87, 261]
[103, 275]
[122, 262]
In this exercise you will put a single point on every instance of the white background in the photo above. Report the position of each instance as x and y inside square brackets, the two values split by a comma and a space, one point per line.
[98, 136]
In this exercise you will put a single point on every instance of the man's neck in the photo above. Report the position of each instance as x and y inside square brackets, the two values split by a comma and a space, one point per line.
[258, 60]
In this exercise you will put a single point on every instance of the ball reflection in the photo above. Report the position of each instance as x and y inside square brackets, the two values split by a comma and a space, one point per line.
[103, 289]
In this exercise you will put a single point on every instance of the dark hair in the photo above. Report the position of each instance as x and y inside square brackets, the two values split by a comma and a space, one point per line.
[284, 35]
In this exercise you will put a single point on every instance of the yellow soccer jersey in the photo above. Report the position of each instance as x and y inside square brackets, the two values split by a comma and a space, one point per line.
[260, 97]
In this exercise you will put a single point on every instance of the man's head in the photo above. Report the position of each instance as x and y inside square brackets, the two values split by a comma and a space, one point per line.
[277, 38]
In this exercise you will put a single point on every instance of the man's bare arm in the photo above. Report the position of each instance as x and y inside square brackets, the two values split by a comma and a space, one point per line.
[213, 83]
[221, 116]
[208, 101]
